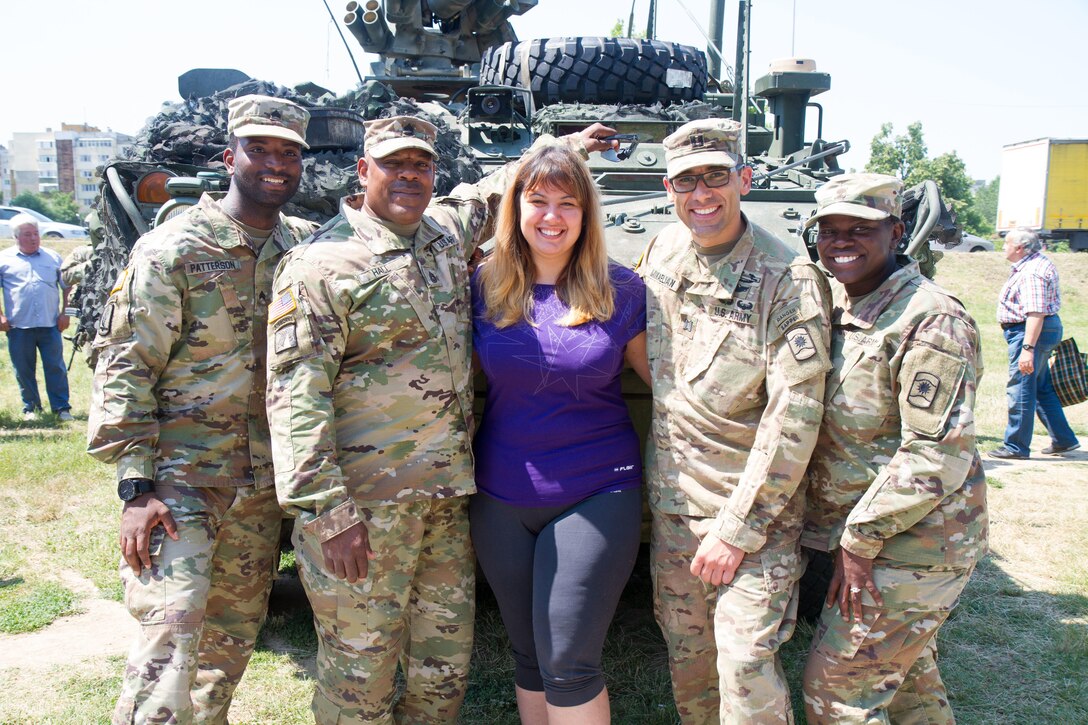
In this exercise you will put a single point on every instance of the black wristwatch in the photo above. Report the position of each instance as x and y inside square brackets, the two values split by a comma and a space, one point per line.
[1027, 347]
[130, 488]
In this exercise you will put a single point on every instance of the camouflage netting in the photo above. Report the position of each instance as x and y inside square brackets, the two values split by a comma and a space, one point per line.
[680, 113]
[194, 132]
[191, 135]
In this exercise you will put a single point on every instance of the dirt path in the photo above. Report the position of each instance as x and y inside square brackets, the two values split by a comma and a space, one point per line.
[104, 629]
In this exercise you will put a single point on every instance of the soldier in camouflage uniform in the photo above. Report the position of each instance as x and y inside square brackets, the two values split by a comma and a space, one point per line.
[896, 486]
[370, 405]
[178, 406]
[737, 338]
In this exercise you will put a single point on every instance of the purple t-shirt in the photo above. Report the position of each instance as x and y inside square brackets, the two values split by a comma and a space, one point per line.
[555, 428]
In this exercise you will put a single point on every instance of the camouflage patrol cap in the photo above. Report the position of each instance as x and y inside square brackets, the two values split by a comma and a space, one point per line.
[386, 135]
[706, 142]
[866, 196]
[254, 115]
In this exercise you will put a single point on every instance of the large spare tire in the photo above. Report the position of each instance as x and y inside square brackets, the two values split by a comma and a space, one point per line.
[598, 70]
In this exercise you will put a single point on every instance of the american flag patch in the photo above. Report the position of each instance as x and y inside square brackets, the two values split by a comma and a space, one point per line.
[282, 305]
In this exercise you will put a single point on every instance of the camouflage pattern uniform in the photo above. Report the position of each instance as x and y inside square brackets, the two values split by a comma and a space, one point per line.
[895, 478]
[738, 354]
[179, 398]
[370, 404]
[75, 265]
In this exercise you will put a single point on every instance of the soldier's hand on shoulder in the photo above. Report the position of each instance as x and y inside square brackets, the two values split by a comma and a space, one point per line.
[138, 519]
[347, 553]
[591, 138]
[716, 562]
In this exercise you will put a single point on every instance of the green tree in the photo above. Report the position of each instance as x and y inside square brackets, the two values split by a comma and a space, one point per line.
[31, 200]
[62, 207]
[58, 206]
[984, 202]
[897, 156]
[906, 156]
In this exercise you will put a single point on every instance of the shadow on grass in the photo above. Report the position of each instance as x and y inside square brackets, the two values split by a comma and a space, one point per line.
[1013, 655]
[1008, 655]
[635, 657]
[12, 582]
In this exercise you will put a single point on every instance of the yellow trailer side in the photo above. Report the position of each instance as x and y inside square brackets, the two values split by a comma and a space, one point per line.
[1067, 186]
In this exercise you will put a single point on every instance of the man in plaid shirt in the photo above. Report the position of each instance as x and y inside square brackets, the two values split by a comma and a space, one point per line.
[1028, 313]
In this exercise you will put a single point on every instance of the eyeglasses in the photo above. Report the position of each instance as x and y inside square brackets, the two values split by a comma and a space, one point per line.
[712, 179]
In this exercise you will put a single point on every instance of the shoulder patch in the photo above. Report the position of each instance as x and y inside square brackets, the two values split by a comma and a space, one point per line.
[787, 317]
[801, 343]
[284, 304]
[923, 389]
[930, 379]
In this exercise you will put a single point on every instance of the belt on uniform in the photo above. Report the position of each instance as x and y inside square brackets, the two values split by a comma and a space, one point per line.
[1010, 325]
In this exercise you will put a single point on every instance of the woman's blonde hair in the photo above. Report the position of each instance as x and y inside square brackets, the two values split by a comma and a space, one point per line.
[507, 277]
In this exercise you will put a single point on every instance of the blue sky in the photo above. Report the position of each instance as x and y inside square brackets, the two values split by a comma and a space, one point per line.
[978, 74]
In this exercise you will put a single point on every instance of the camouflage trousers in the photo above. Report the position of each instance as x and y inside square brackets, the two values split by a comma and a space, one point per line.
[723, 641]
[884, 669]
[415, 607]
[200, 605]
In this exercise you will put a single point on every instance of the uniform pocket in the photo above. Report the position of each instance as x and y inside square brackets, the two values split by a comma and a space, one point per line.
[208, 329]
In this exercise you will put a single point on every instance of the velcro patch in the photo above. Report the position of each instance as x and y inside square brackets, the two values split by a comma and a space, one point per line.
[213, 265]
[930, 380]
[801, 343]
[283, 305]
[120, 283]
[665, 279]
[286, 338]
[923, 389]
[445, 242]
[787, 317]
[105, 320]
[383, 269]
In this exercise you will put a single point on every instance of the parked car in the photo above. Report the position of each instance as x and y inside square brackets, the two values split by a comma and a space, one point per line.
[967, 243]
[48, 228]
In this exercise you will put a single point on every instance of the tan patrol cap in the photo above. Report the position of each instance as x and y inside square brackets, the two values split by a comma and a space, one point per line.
[866, 196]
[706, 142]
[386, 135]
[255, 115]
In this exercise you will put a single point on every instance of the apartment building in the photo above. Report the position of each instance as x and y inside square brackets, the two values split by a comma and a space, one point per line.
[66, 160]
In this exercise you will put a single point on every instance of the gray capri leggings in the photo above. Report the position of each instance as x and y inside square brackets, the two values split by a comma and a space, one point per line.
[557, 573]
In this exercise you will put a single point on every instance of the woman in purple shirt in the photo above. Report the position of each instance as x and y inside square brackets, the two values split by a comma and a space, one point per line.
[556, 521]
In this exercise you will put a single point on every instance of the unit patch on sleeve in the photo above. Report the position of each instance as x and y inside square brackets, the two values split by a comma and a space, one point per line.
[923, 390]
[286, 338]
[930, 380]
[801, 344]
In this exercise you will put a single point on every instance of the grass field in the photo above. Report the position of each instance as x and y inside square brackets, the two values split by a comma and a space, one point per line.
[1015, 651]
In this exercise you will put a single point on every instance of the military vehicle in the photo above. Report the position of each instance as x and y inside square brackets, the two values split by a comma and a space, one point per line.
[459, 64]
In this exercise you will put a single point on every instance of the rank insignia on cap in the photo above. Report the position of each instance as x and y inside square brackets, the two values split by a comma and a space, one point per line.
[800, 343]
[697, 140]
[923, 391]
[283, 305]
